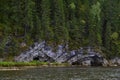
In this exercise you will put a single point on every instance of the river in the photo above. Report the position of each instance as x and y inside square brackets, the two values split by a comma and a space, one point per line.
[64, 73]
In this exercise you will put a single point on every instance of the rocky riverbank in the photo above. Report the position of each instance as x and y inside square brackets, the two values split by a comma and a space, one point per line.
[86, 56]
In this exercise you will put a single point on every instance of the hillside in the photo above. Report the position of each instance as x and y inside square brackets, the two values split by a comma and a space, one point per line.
[78, 23]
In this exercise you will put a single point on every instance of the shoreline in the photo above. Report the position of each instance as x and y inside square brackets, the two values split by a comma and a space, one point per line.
[14, 68]
[8, 66]
[28, 67]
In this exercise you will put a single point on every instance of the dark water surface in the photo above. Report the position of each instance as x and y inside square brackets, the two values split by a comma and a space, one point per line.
[67, 73]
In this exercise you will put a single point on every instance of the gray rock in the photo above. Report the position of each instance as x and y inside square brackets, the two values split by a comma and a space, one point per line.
[118, 62]
[86, 63]
[105, 62]
[1, 59]
[115, 61]
[43, 52]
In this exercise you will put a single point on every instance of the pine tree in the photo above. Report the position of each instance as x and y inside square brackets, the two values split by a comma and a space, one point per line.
[58, 22]
[45, 20]
[73, 28]
[26, 12]
[76, 22]
[95, 26]
[106, 26]
[37, 29]
[82, 14]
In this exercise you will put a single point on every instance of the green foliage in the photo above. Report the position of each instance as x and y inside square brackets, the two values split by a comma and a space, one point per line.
[33, 63]
[72, 5]
[59, 28]
[96, 10]
[115, 36]
[76, 22]
[94, 25]
[45, 21]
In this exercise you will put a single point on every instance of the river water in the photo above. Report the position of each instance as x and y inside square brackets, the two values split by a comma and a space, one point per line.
[65, 73]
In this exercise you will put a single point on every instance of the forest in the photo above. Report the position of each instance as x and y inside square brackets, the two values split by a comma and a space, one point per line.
[78, 23]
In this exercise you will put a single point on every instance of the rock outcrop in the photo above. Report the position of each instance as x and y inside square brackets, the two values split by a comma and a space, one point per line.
[44, 53]
[115, 61]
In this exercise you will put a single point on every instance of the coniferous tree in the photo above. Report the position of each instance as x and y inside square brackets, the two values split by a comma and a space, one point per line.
[95, 26]
[77, 22]
[60, 31]
[73, 27]
[26, 12]
[37, 29]
[45, 21]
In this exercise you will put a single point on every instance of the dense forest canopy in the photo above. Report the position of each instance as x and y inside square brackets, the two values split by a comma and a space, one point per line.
[78, 23]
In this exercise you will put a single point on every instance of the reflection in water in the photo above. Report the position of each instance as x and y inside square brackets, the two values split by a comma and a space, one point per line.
[69, 73]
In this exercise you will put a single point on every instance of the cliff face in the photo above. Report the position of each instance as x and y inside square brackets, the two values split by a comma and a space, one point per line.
[44, 53]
